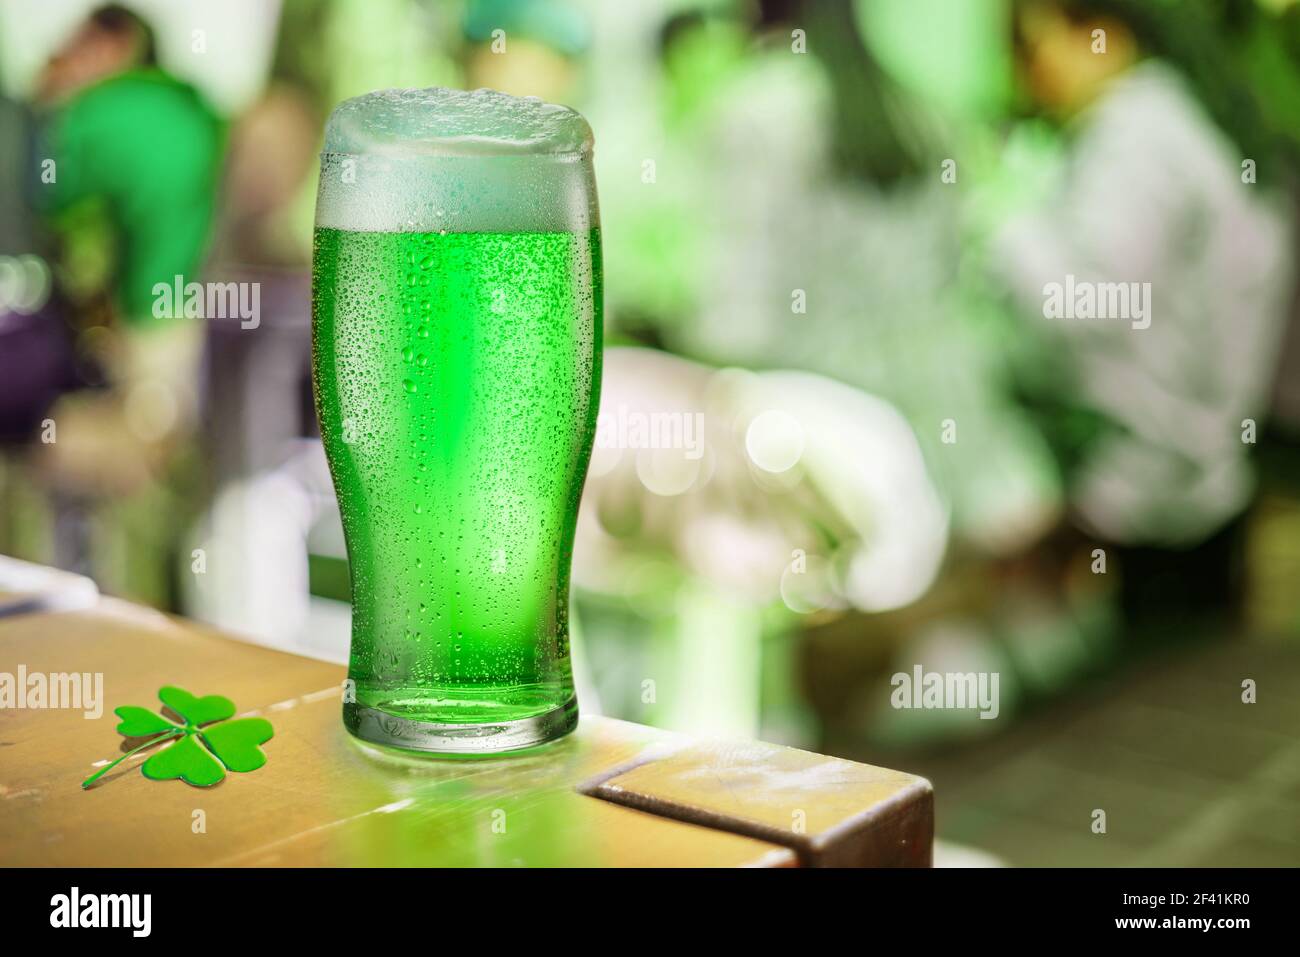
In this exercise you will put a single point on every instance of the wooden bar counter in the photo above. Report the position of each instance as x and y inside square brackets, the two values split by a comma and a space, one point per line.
[610, 794]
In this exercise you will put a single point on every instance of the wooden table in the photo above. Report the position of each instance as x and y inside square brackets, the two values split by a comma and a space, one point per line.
[611, 794]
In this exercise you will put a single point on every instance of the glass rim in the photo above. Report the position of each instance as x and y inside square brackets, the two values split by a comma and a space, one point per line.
[425, 155]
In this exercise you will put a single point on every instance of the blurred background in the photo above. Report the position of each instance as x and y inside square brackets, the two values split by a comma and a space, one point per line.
[829, 227]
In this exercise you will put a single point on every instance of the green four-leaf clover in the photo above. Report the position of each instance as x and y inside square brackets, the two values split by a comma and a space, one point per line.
[206, 746]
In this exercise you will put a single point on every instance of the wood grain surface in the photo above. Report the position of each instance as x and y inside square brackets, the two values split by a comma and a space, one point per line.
[611, 794]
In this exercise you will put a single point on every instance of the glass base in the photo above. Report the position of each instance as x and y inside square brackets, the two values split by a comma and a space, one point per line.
[489, 737]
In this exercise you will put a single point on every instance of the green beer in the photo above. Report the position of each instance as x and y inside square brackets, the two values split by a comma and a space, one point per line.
[457, 378]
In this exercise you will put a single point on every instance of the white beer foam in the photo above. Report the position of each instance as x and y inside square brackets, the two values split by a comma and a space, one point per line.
[439, 121]
[436, 159]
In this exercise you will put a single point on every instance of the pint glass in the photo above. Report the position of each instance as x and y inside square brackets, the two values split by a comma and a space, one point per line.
[456, 345]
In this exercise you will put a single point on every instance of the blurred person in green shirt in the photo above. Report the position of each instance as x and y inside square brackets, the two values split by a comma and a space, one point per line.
[131, 189]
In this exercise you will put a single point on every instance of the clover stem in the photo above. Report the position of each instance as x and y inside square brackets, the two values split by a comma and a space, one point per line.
[108, 767]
